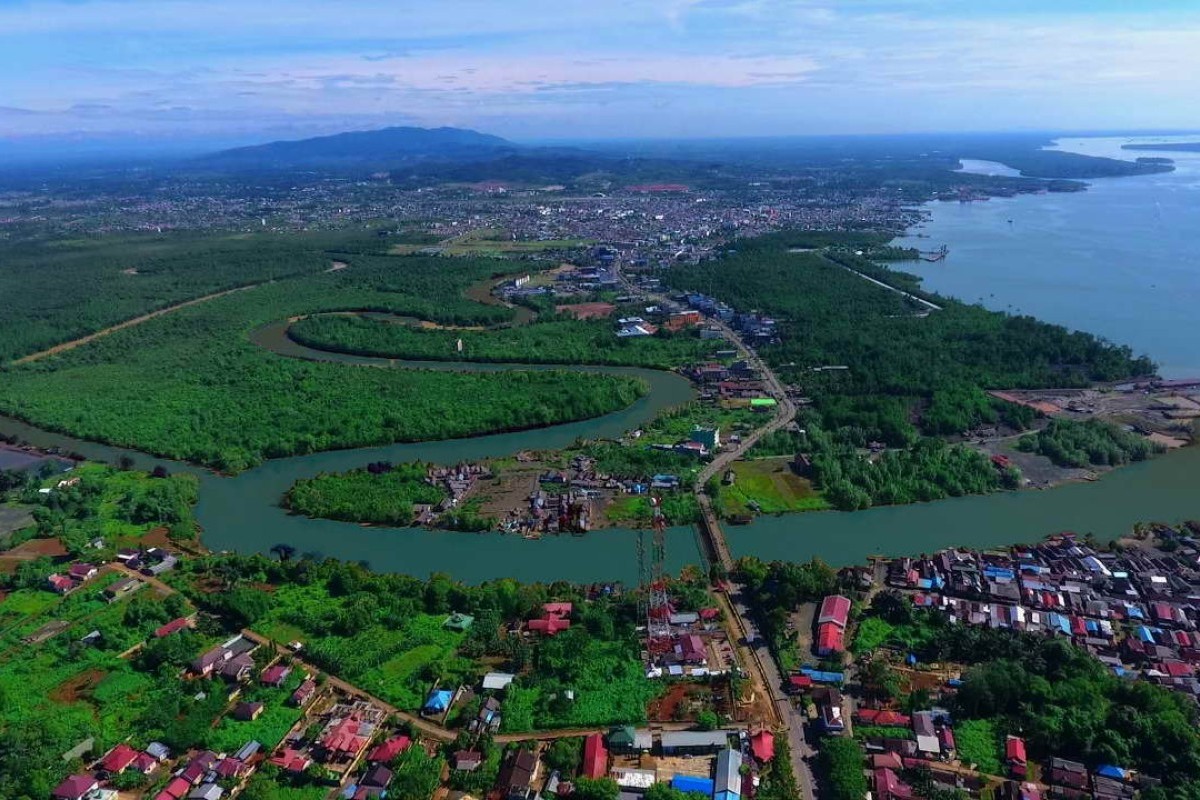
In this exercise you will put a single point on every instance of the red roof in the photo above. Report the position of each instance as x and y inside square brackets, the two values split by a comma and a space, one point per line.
[177, 787]
[762, 744]
[1014, 749]
[74, 787]
[800, 681]
[595, 757]
[558, 609]
[275, 674]
[549, 625]
[345, 737]
[835, 609]
[710, 613]
[118, 758]
[390, 749]
[829, 638]
[173, 626]
[1176, 669]
[883, 717]
[144, 762]
[291, 760]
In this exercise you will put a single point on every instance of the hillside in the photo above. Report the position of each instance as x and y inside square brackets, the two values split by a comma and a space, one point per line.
[388, 147]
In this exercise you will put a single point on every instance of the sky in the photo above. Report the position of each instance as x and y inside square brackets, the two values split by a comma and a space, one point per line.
[255, 70]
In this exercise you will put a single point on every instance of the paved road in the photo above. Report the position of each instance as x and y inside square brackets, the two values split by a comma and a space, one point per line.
[767, 674]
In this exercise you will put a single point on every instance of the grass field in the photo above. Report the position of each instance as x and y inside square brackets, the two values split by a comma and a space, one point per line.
[978, 743]
[771, 484]
[270, 728]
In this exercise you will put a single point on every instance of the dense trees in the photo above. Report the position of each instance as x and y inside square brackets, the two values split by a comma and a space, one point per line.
[1091, 443]
[554, 341]
[841, 761]
[189, 385]
[382, 496]
[910, 370]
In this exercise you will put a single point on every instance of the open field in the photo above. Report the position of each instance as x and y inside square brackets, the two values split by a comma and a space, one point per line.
[770, 485]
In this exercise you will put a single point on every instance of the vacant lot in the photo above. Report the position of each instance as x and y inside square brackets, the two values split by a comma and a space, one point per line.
[769, 486]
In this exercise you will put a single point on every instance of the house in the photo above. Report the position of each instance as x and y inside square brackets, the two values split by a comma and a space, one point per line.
[174, 626]
[208, 791]
[834, 609]
[1014, 756]
[727, 784]
[691, 650]
[548, 625]
[384, 752]
[709, 437]
[82, 572]
[158, 751]
[762, 745]
[238, 668]
[497, 681]
[76, 787]
[516, 776]
[595, 757]
[628, 739]
[927, 739]
[60, 583]
[467, 760]
[692, 784]
[290, 760]
[346, 737]
[378, 775]
[274, 675]
[694, 742]
[1068, 773]
[830, 639]
[175, 789]
[438, 702]
[888, 786]
[230, 768]
[118, 759]
[248, 712]
[304, 692]
[208, 661]
[122, 588]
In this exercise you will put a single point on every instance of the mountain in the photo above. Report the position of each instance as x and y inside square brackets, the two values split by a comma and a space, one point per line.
[381, 149]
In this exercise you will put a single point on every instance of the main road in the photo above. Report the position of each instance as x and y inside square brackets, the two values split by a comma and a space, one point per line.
[766, 673]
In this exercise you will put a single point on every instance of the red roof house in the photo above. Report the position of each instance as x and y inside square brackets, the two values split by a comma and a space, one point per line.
[1014, 756]
[836, 609]
[176, 787]
[595, 757]
[830, 639]
[74, 787]
[558, 609]
[291, 760]
[549, 624]
[762, 744]
[118, 759]
[386, 751]
[174, 626]
[275, 675]
[345, 738]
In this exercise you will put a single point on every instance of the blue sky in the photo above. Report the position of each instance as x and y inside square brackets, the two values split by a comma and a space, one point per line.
[538, 69]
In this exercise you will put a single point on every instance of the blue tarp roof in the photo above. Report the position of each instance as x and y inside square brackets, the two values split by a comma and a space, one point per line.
[690, 783]
[1136, 612]
[1111, 771]
[822, 677]
[439, 700]
[1144, 634]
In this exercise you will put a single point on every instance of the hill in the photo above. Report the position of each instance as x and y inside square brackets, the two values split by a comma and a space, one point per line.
[388, 147]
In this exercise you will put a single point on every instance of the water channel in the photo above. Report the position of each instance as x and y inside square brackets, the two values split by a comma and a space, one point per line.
[242, 513]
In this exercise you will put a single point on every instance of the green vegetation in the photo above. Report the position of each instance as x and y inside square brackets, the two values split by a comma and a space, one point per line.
[775, 590]
[553, 341]
[680, 508]
[872, 632]
[276, 720]
[236, 405]
[1091, 443]
[381, 493]
[58, 290]
[593, 661]
[841, 759]
[768, 485]
[978, 743]
[912, 370]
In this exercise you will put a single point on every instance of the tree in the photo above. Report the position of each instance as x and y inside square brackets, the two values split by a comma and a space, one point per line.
[707, 720]
[564, 755]
[596, 789]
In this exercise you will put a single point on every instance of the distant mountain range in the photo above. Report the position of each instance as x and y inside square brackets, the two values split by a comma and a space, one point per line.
[382, 149]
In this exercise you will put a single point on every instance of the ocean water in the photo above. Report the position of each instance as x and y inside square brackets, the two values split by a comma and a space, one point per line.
[1120, 260]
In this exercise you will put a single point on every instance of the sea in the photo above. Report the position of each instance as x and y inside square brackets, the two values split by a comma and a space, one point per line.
[1120, 260]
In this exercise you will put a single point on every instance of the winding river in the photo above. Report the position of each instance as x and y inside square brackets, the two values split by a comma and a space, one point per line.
[242, 513]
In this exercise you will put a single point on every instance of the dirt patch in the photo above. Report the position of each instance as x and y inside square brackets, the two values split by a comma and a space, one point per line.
[78, 688]
[28, 551]
[338, 266]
